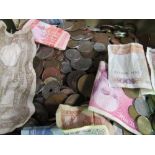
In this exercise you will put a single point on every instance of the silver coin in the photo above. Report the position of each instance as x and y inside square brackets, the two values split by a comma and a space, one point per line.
[68, 25]
[142, 107]
[82, 64]
[66, 67]
[72, 54]
[51, 87]
[100, 47]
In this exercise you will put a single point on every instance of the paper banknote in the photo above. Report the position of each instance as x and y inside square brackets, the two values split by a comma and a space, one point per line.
[127, 66]
[48, 34]
[111, 102]
[17, 78]
[69, 117]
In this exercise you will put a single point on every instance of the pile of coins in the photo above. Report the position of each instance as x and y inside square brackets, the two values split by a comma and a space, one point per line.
[143, 113]
[67, 77]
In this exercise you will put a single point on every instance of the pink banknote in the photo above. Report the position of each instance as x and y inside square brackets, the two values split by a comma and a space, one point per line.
[48, 34]
[111, 102]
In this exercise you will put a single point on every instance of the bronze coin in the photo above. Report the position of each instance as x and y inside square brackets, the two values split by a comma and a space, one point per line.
[72, 99]
[67, 91]
[132, 93]
[51, 63]
[85, 84]
[38, 66]
[132, 112]
[51, 87]
[50, 72]
[67, 25]
[58, 55]
[114, 40]
[73, 44]
[56, 99]
[101, 38]
[144, 125]
[44, 52]
[72, 79]
[77, 25]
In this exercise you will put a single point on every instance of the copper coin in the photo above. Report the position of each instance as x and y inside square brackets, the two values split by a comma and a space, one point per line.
[56, 99]
[77, 25]
[50, 72]
[58, 55]
[86, 47]
[101, 38]
[85, 84]
[67, 91]
[72, 79]
[72, 99]
[45, 52]
[51, 63]
[38, 66]
[72, 54]
[82, 64]
[73, 44]
[49, 88]
[114, 40]
[66, 67]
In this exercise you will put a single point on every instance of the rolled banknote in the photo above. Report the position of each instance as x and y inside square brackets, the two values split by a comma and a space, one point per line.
[69, 117]
[111, 102]
[48, 34]
[127, 66]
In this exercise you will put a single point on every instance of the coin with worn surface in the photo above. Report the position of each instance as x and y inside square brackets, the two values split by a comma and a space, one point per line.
[66, 67]
[51, 87]
[144, 125]
[56, 99]
[80, 24]
[85, 84]
[72, 79]
[50, 72]
[51, 63]
[39, 85]
[82, 64]
[73, 99]
[72, 54]
[86, 48]
[142, 107]
[38, 66]
[73, 44]
[101, 38]
[45, 52]
[114, 40]
[132, 112]
[100, 47]
[67, 25]
[132, 93]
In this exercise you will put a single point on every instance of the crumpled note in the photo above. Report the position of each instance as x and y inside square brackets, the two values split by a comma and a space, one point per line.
[111, 102]
[17, 78]
[127, 66]
[69, 117]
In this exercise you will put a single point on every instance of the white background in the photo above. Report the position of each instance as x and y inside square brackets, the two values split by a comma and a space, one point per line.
[73, 145]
